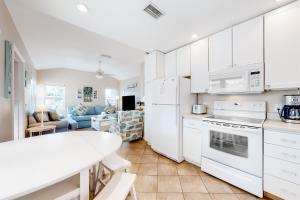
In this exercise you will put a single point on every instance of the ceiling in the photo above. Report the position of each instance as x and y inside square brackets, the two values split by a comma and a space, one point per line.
[56, 34]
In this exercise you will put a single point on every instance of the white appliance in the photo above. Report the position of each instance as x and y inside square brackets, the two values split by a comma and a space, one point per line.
[170, 98]
[233, 144]
[199, 109]
[237, 80]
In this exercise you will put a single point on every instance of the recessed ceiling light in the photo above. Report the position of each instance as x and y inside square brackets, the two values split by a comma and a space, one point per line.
[194, 36]
[82, 8]
[279, 0]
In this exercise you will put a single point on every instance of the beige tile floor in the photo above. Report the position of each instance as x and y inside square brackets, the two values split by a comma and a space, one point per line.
[159, 178]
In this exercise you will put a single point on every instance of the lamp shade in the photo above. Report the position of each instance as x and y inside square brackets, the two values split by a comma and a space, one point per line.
[41, 108]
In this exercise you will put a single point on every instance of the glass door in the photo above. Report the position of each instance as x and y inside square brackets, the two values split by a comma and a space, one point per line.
[229, 143]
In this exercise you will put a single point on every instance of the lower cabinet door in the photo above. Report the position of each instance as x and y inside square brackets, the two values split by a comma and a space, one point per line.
[281, 188]
[192, 145]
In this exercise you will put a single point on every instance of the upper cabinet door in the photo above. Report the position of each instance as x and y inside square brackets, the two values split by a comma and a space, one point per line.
[184, 61]
[282, 47]
[220, 51]
[248, 43]
[171, 64]
[154, 66]
[199, 66]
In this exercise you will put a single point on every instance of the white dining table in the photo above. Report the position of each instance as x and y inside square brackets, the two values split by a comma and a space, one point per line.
[32, 164]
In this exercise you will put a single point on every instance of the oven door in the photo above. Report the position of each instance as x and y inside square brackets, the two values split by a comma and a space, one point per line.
[240, 148]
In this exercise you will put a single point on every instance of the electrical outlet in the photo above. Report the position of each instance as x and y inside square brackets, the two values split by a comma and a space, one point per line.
[277, 106]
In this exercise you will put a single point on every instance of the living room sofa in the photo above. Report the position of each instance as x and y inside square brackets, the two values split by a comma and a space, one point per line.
[61, 124]
[84, 120]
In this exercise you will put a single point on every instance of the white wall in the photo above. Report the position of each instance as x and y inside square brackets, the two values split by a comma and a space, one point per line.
[9, 32]
[137, 91]
[273, 98]
[73, 80]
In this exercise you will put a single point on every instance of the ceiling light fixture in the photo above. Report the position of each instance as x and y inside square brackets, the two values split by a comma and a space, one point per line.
[279, 0]
[194, 36]
[82, 8]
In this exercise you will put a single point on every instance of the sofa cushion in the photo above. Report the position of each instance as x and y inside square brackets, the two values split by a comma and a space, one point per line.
[99, 109]
[90, 110]
[82, 118]
[31, 119]
[53, 116]
[38, 116]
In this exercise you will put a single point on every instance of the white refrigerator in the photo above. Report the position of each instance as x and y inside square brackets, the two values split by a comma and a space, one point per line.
[170, 98]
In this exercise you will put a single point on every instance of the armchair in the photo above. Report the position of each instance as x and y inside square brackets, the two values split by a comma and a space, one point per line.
[130, 125]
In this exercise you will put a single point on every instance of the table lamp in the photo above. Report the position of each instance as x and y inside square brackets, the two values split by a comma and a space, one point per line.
[41, 108]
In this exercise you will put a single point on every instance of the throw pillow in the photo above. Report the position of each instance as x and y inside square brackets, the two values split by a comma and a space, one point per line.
[79, 110]
[53, 116]
[38, 116]
[109, 109]
[31, 119]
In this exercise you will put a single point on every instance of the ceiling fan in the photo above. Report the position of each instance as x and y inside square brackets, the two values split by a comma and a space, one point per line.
[100, 73]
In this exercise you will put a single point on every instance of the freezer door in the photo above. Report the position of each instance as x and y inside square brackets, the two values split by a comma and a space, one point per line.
[165, 130]
[165, 91]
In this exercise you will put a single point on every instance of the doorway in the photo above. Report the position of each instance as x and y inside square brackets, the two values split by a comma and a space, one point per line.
[18, 95]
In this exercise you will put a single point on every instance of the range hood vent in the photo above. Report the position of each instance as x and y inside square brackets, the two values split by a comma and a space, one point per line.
[153, 10]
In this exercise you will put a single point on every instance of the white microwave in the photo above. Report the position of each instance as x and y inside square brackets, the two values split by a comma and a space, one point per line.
[237, 80]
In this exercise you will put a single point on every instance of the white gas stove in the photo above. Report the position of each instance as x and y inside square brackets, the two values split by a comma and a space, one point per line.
[233, 144]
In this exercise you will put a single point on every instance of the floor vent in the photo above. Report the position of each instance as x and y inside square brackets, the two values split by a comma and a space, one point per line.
[153, 10]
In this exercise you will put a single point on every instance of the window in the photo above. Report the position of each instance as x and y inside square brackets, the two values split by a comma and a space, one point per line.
[111, 97]
[55, 98]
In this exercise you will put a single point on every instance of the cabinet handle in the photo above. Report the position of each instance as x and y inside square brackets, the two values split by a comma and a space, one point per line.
[288, 141]
[289, 155]
[289, 172]
[288, 192]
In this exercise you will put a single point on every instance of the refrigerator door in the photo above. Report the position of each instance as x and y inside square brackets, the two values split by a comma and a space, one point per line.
[165, 128]
[165, 91]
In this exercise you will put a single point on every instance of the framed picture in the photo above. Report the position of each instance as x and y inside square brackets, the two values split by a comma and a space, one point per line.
[87, 94]
[95, 94]
[79, 94]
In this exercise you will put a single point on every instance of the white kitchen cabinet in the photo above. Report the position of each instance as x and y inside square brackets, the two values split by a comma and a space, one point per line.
[282, 164]
[248, 43]
[184, 61]
[199, 66]
[220, 51]
[192, 139]
[171, 64]
[154, 66]
[282, 47]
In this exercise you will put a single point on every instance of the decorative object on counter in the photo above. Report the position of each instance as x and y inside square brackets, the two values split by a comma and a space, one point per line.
[79, 94]
[290, 112]
[199, 109]
[41, 115]
[8, 69]
[87, 94]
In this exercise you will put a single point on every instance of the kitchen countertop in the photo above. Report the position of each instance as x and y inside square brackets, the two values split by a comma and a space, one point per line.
[281, 126]
[193, 116]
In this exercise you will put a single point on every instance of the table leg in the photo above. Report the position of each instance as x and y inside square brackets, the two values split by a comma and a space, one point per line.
[84, 184]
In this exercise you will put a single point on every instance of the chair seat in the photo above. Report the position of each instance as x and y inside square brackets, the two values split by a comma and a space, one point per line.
[118, 187]
[114, 162]
[67, 189]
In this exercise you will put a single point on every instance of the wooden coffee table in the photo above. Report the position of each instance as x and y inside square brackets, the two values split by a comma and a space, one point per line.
[41, 129]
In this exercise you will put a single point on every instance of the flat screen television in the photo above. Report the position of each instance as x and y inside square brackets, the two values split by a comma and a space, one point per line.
[128, 102]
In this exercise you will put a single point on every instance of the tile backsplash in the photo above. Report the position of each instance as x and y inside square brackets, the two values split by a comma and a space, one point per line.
[274, 100]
